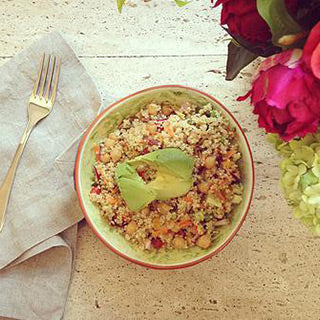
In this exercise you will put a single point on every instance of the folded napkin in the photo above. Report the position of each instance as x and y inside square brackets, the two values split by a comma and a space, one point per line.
[37, 244]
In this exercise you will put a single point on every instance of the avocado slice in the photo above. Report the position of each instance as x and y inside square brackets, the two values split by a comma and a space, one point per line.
[133, 189]
[173, 178]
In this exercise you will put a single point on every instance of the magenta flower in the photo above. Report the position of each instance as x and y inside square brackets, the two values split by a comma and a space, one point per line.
[286, 92]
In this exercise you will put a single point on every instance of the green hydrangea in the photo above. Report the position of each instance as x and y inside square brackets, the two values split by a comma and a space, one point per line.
[300, 179]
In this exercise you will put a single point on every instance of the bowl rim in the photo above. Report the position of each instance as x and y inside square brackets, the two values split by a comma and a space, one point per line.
[95, 231]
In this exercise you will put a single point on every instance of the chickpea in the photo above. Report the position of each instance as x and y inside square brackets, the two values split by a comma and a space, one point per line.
[153, 109]
[163, 207]
[109, 143]
[156, 223]
[204, 187]
[105, 158]
[112, 136]
[145, 211]
[173, 226]
[151, 128]
[116, 154]
[167, 236]
[204, 241]
[237, 156]
[166, 110]
[179, 243]
[131, 227]
[210, 162]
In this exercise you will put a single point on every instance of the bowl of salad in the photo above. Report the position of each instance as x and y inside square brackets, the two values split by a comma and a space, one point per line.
[165, 177]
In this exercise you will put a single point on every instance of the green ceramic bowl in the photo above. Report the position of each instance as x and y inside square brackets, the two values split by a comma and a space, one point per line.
[106, 123]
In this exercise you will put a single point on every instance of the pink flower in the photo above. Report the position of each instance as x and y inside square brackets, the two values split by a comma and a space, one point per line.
[286, 92]
[311, 52]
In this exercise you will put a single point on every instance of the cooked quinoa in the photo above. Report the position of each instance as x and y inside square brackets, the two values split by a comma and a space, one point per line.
[193, 219]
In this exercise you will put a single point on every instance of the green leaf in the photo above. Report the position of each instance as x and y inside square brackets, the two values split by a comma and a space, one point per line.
[181, 3]
[238, 58]
[276, 15]
[120, 4]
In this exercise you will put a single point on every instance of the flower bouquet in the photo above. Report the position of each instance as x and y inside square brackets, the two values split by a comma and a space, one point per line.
[285, 91]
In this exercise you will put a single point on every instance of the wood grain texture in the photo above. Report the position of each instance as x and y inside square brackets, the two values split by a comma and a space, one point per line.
[270, 270]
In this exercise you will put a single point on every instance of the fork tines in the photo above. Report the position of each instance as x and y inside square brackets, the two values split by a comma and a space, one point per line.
[47, 81]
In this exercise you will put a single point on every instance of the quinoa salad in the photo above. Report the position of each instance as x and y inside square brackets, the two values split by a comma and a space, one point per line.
[194, 218]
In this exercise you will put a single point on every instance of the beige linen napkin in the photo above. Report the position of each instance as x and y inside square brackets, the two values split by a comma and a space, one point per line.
[38, 241]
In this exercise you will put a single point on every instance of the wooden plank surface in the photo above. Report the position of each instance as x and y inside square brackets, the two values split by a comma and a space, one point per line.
[270, 270]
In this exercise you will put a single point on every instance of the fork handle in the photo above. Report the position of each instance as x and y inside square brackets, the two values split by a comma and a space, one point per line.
[6, 186]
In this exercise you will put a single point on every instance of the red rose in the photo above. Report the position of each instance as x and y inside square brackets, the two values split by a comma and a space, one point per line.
[286, 92]
[243, 19]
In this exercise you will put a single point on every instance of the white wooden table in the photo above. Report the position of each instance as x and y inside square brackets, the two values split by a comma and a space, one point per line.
[271, 268]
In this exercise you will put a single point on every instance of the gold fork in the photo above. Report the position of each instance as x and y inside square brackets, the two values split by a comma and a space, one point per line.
[40, 106]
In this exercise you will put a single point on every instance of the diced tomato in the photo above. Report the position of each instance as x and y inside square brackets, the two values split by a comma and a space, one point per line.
[157, 243]
[96, 190]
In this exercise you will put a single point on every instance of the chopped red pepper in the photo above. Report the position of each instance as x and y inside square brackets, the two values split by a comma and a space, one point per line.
[96, 173]
[96, 190]
[145, 150]
[152, 142]
[142, 174]
[157, 243]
